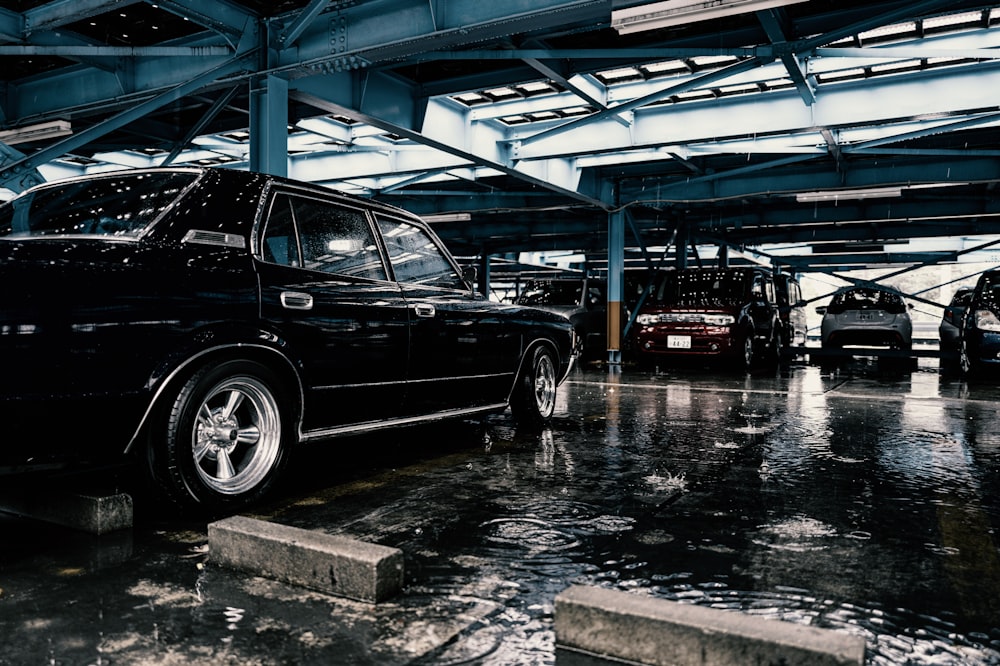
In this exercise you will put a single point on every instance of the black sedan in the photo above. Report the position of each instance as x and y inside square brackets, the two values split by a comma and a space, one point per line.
[204, 321]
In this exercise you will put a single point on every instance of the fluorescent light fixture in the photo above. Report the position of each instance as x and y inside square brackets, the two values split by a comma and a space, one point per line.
[677, 12]
[448, 217]
[39, 132]
[846, 195]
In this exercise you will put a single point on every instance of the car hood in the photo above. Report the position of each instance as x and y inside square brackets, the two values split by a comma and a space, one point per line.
[562, 310]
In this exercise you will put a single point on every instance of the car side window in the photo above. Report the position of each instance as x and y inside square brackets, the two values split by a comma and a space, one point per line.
[321, 236]
[415, 257]
[279, 244]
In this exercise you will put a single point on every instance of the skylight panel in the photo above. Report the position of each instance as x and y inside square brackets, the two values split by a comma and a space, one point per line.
[738, 89]
[894, 30]
[843, 75]
[711, 61]
[953, 20]
[515, 120]
[900, 66]
[543, 115]
[501, 93]
[694, 95]
[620, 74]
[535, 87]
[666, 67]
[472, 98]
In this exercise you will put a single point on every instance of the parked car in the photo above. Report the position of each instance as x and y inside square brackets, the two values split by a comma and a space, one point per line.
[979, 344]
[866, 317]
[709, 314]
[205, 321]
[583, 300]
[949, 330]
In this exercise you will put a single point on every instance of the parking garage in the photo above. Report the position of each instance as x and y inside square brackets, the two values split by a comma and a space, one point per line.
[847, 145]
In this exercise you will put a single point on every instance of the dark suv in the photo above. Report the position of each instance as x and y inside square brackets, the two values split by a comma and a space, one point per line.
[710, 314]
[583, 300]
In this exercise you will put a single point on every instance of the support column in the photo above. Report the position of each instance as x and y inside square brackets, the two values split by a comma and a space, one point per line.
[681, 246]
[616, 284]
[723, 256]
[484, 275]
[269, 126]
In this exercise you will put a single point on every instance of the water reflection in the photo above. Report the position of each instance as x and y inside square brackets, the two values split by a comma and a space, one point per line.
[838, 501]
[861, 504]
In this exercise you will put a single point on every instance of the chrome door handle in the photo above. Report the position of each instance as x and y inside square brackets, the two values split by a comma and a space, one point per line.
[296, 300]
[424, 310]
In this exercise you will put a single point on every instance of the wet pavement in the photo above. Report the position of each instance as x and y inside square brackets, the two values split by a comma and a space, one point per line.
[856, 500]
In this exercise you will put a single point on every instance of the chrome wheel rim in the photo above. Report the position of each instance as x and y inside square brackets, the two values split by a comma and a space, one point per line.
[545, 386]
[237, 436]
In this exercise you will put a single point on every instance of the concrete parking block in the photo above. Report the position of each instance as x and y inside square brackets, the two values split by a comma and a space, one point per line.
[96, 514]
[327, 563]
[596, 622]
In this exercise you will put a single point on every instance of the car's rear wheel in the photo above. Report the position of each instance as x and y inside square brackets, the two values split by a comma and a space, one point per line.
[533, 399]
[224, 440]
[777, 348]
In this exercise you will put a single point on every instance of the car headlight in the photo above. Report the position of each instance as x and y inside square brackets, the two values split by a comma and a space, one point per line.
[685, 318]
[647, 319]
[985, 320]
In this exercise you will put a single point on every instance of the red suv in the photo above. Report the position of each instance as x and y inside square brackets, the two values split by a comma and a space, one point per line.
[710, 314]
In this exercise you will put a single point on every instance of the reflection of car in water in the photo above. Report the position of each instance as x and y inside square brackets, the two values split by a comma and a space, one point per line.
[583, 300]
[710, 314]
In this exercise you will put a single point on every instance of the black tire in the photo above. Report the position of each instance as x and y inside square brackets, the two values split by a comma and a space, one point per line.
[748, 353]
[965, 364]
[533, 399]
[223, 442]
[777, 349]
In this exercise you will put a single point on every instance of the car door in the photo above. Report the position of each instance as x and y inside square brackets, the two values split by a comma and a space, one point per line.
[462, 353]
[325, 292]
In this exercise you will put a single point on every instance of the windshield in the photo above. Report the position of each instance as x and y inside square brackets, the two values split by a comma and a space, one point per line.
[552, 293]
[867, 299]
[990, 296]
[119, 206]
[707, 287]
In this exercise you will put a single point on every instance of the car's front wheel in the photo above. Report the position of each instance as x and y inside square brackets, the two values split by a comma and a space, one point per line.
[533, 399]
[965, 364]
[224, 440]
[748, 352]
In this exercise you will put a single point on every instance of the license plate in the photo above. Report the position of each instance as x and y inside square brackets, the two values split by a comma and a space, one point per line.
[679, 341]
[866, 317]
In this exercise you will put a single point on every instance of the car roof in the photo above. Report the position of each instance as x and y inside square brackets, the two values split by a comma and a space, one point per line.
[244, 176]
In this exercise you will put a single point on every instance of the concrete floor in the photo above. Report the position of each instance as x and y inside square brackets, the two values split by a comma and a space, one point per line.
[855, 500]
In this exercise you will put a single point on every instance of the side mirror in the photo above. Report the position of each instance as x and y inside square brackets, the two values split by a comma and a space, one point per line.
[470, 275]
[821, 310]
